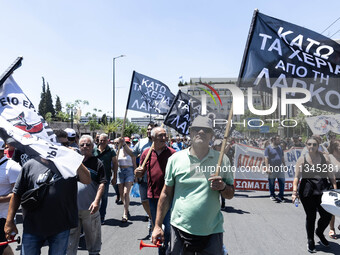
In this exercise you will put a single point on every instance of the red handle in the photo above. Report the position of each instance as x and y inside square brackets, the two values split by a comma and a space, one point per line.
[11, 241]
[157, 245]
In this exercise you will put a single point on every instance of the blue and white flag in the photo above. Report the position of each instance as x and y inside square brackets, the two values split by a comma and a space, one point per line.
[321, 125]
[149, 95]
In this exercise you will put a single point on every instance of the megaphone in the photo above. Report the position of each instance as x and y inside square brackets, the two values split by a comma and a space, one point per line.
[142, 245]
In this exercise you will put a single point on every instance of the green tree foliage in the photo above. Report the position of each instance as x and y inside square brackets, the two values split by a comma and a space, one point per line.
[112, 127]
[48, 117]
[58, 106]
[130, 128]
[143, 131]
[42, 103]
[62, 116]
[49, 101]
[104, 119]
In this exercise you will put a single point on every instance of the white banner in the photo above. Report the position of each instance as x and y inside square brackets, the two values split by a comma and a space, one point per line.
[248, 167]
[66, 160]
[321, 125]
[18, 110]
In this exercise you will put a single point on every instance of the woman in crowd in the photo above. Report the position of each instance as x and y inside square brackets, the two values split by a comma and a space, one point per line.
[126, 164]
[313, 183]
[334, 150]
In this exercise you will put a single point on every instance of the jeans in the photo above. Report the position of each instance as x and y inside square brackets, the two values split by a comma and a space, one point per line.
[31, 244]
[103, 205]
[153, 202]
[92, 230]
[271, 181]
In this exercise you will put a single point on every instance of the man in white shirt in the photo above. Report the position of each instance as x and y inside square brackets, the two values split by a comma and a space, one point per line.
[9, 171]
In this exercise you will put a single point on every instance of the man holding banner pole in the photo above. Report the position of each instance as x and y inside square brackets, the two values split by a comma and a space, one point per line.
[193, 188]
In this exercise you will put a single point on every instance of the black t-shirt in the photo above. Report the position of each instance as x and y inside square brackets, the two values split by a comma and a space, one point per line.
[20, 157]
[58, 211]
[87, 192]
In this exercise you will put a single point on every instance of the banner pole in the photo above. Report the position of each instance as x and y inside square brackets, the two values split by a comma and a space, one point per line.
[250, 36]
[224, 142]
[126, 110]
[16, 64]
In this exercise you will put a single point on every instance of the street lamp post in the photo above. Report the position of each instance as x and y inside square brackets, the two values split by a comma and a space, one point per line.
[114, 86]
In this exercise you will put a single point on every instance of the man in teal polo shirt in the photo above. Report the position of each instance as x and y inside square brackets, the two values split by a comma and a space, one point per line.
[108, 156]
[194, 190]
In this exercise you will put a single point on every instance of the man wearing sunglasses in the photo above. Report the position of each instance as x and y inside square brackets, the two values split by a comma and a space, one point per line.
[194, 190]
[89, 197]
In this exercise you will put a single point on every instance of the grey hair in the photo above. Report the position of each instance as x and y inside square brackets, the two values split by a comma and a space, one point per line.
[153, 131]
[104, 135]
[87, 137]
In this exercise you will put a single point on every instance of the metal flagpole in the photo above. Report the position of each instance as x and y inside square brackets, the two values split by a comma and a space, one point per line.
[16, 64]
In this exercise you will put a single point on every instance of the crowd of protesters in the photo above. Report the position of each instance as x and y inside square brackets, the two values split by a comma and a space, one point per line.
[125, 161]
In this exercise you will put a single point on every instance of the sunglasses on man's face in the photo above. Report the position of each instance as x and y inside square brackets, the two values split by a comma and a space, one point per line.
[314, 144]
[197, 129]
[83, 145]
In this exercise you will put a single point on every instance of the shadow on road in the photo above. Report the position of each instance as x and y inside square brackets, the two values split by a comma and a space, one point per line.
[333, 247]
[230, 209]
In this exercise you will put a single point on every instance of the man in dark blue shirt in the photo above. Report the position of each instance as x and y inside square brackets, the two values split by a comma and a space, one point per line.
[274, 160]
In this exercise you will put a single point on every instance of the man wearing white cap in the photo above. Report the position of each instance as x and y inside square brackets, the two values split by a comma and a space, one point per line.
[71, 136]
[9, 171]
[196, 219]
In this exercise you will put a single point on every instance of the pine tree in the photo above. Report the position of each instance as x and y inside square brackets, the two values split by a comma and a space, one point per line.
[42, 104]
[49, 101]
[58, 107]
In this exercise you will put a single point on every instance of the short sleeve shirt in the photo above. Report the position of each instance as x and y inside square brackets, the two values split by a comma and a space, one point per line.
[274, 155]
[9, 171]
[58, 212]
[155, 166]
[196, 207]
[106, 158]
[87, 192]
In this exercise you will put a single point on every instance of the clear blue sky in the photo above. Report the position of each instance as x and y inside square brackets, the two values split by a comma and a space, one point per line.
[72, 43]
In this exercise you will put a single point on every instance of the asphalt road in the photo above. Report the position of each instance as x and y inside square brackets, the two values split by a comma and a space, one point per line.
[253, 225]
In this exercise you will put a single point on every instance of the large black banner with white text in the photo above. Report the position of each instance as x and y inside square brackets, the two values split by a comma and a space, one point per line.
[182, 111]
[284, 55]
[186, 108]
[149, 95]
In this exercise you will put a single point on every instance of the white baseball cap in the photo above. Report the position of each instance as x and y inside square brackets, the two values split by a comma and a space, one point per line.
[2, 145]
[70, 132]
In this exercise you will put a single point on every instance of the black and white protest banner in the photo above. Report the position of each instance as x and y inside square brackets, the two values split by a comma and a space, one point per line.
[321, 125]
[283, 55]
[66, 160]
[149, 95]
[17, 109]
[186, 108]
